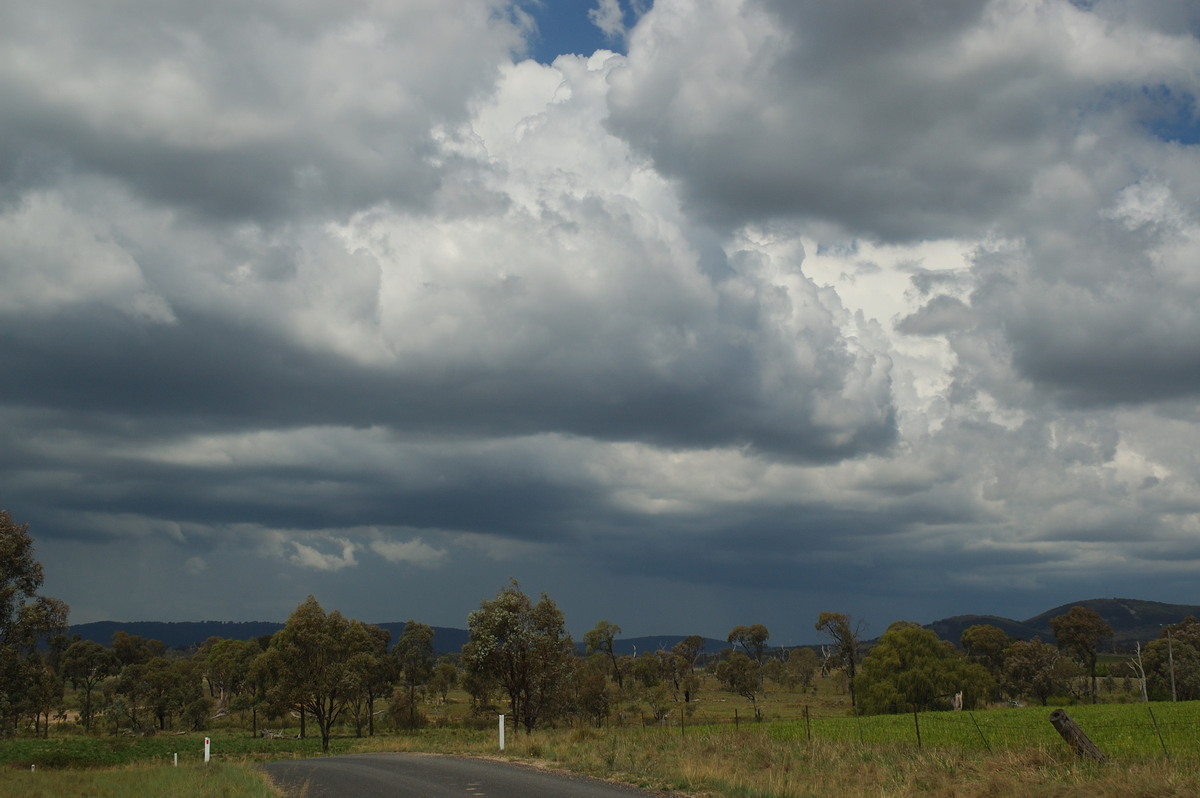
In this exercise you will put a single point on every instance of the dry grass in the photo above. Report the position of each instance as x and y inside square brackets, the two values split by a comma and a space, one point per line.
[750, 763]
[216, 780]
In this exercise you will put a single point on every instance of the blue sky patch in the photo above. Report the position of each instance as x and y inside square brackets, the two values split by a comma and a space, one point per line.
[1174, 116]
[564, 26]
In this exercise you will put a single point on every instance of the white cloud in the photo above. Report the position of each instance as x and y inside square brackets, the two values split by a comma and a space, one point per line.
[608, 17]
[414, 552]
[307, 556]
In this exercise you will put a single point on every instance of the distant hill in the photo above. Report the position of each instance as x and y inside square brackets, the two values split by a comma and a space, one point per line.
[1130, 619]
[446, 640]
[952, 628]
[189, 634]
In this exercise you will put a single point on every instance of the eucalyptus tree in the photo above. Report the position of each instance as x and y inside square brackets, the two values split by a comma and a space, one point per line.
[414, 663]
[25, 619]
[1080, 632]
[845, 632]
[523, 647]
[314, 665]
[601, 638]
[86, 664]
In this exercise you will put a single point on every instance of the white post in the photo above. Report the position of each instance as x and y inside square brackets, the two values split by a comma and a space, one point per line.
[501, 732]
[177, 760]
[207, 748]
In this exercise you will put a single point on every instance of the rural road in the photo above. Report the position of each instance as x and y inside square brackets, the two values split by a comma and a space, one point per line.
[431, 776]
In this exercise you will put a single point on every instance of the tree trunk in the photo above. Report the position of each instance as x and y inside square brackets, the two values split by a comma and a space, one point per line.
[1070, 731]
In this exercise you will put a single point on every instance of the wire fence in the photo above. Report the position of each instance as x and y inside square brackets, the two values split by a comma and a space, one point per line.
[1121, 731]
[1132, 731]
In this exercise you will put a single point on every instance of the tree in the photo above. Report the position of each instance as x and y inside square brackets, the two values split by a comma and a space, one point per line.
[414, 660]
[600, 638]
[592, 696]
[1079, 632]
[740, 675]
[313, 655]
[986, 644]
[910, 667]
[802, 665]
[44, 697]
[1173, 660]
[170, 687]
[687, 651]
[444, 679]
[25, 619]
[753, 641]
[135, 649]
[227, 666]
[844, 632]
[379, 672]
[86, 664]
[1037, 669]
[525, 649]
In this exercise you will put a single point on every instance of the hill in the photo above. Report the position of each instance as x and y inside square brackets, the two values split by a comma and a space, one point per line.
[189, 634]
[184, 635]
[1130, 619]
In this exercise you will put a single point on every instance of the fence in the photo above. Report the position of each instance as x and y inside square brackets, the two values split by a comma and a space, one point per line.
[1121, 731]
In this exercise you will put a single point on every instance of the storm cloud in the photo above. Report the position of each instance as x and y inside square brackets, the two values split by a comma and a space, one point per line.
[780, 307]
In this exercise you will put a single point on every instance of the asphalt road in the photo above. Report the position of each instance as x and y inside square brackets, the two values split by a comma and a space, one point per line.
[431, 776]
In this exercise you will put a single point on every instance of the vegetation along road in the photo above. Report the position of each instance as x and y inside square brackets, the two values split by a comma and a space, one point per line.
[431, 776]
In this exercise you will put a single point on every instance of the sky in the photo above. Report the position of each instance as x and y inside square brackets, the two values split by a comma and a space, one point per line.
[689, 314]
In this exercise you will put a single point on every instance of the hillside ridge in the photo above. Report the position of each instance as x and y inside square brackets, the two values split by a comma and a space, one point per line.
[1131, 619]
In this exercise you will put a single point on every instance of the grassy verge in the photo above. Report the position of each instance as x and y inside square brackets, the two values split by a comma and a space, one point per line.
[215, 780]
[1001, 752]
[757, 764]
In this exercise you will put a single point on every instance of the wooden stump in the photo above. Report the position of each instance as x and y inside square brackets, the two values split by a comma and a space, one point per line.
[1069, 730]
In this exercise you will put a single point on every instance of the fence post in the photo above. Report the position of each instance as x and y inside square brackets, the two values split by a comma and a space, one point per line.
[1069, 730]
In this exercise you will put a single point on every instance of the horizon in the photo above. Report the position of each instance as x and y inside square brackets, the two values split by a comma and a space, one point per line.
[686, 315]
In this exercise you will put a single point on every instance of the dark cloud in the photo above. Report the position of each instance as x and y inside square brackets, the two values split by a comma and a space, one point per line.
[885, 308]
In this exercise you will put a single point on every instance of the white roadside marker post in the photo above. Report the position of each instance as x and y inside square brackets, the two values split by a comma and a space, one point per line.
[207, 749]
[501, 732]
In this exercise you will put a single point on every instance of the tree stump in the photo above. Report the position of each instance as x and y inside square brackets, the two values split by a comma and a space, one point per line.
[1069, 730]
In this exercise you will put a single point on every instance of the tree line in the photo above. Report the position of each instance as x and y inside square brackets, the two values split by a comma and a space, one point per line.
[325, 669]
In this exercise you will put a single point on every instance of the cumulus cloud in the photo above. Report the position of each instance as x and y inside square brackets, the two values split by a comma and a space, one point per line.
[902, 120]
[257, 111]
[794, 295]
[608, 17]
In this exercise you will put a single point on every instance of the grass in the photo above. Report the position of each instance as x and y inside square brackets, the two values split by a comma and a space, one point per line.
[984, 754]
[215, 780]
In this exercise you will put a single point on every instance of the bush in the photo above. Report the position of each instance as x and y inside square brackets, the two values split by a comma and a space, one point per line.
[404, 715]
